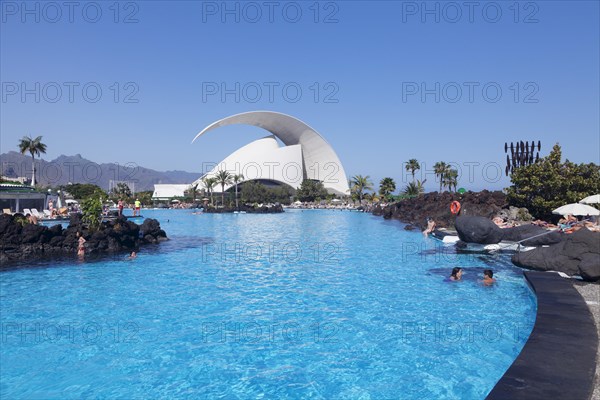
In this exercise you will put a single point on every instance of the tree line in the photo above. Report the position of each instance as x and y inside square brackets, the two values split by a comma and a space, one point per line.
[540, 187]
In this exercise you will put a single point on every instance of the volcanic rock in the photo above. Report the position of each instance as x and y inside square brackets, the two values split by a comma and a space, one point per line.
[480, 230]
[483, 231]
[20, 240]
[436, 205]
[577, 254]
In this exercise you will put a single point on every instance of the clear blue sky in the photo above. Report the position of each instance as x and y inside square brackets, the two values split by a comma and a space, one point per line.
[370, 56]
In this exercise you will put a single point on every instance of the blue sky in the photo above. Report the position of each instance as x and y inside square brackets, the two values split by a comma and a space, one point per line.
[361, 68]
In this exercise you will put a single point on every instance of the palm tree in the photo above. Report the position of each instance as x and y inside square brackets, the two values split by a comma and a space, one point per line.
[34, 147]
[192, 191]
[440, 168]
[451, 179]
[412, 165]
[237, 178]
[209, 184]
[359, 183]
[415, 188]
[223, 178]
[386, 186]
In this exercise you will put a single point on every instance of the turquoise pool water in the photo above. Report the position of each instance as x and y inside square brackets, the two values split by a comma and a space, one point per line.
[322, 304]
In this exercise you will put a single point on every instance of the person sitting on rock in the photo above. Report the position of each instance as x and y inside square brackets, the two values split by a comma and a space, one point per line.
[543, 224]
[488, 277]
[500, 222]
[569, 224]
[32, 219]
[568, 220]
[591, 223]
[430, 227]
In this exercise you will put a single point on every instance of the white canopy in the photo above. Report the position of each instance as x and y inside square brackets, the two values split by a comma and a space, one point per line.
[166, 192]
[576, 209]
[594, 199]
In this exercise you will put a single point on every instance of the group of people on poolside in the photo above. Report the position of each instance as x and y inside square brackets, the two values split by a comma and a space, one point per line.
[137, 205]
[61, 211]
[488, 276]
[568, 224]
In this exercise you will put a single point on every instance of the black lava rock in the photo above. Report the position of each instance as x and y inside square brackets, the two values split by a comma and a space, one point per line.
[20, 240]
[577, 254]
[539, 235]
[478, 230]
[437, 206]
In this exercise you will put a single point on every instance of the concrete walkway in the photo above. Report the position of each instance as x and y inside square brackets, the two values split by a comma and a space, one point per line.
[591, 294]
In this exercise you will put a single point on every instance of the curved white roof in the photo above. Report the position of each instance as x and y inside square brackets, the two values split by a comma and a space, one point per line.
[319, 160]
[262, 159]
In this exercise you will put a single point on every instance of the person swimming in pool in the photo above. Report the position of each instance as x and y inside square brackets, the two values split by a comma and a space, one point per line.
[456, 274]
[488, 277]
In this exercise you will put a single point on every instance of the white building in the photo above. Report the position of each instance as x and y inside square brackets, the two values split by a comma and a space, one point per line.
[305, 154]
[168, 192]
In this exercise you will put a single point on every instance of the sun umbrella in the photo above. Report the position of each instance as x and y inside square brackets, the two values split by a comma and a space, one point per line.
[594, 199]
[576, 209]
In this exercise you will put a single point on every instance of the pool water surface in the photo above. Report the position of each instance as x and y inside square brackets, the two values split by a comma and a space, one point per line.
[315, 303]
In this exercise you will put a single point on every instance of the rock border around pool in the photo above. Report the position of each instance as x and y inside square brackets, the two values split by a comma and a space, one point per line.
[559, 358]
[23, 241]
[247, 209]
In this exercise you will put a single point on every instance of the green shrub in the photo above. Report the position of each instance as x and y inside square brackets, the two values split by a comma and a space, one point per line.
[91, 208]
[550, 183]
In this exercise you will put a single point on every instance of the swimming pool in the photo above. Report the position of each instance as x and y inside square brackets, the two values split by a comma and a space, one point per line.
[326, 304]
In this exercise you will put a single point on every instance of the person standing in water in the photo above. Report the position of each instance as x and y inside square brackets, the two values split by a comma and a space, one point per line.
[80, 245]
[456, 274]
[488, 277]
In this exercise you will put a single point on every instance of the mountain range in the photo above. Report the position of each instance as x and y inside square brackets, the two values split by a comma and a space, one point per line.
[76, 169]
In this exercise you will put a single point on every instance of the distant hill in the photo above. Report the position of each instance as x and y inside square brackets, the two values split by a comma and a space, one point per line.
[76, 169]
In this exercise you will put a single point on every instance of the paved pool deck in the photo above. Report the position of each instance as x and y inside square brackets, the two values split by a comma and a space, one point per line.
[591, 294]
[559, 359]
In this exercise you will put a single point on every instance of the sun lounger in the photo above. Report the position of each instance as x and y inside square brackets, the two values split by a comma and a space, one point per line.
[47, 214]
[26, 211]
[6, 211]
[36, 213]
